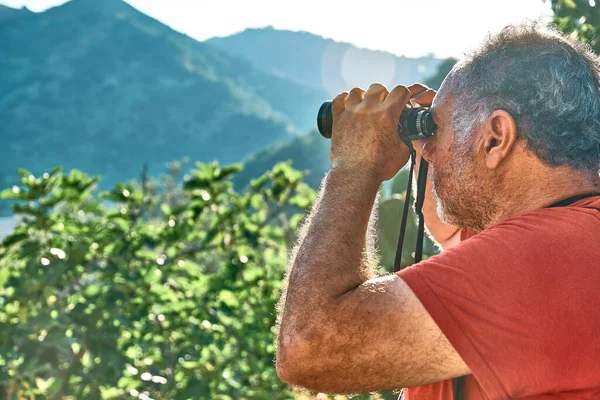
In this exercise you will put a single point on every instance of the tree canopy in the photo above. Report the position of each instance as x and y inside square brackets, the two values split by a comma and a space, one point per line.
[580, 19]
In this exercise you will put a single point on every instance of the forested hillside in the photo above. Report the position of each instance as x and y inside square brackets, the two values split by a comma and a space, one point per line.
[102, 87]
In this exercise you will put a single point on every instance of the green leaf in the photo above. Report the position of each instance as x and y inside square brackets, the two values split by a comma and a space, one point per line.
[92, 290]
[228, 298]
[15, 238]
[26, 210]
[24, 173]
[228, 171]
[166, 209]
[4, 274]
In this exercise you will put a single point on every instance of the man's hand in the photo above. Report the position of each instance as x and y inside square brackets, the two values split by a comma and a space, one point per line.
[365, 131]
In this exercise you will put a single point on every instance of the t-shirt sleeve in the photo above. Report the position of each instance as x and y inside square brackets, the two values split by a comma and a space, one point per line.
[505, 299]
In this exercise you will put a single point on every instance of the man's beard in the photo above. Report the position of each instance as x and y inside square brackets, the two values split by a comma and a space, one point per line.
[463, 194]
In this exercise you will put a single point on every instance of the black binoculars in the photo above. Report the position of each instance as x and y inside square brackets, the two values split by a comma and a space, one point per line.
[415, 123]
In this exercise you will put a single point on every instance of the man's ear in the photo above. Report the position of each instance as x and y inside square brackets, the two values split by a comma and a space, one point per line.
[500, 137]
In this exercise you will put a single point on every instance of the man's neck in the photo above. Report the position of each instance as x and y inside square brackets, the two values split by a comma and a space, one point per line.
[544, 188]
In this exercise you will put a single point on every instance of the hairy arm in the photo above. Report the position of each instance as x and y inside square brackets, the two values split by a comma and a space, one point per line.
[342, 329]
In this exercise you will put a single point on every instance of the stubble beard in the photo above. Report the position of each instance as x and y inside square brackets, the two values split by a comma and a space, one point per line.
[462, 193]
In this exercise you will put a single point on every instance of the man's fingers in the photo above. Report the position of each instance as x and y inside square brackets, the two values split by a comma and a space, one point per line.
[355, 97]
[376, 93]
[416, 89]
[338, 104]
[425, 98]
[398, 98]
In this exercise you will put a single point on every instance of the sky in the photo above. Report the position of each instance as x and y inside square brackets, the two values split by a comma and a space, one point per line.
[402, 27]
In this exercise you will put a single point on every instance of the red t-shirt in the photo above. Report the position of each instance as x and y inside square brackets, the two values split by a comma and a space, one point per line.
[520, 303]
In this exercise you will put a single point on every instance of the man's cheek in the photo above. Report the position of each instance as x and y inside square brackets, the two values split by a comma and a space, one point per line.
[436, 182]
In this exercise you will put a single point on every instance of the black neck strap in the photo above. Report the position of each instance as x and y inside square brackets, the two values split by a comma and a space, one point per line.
[420, 199]
[398, 257]
[572, 199]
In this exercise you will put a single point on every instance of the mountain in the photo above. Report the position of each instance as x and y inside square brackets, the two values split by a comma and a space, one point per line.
[309, 152]
[322, 63]
[9, 12]
[99, 86]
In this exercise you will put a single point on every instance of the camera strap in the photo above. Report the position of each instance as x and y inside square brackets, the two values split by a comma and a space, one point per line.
[574, 199]
[419, 200]
[398, 257]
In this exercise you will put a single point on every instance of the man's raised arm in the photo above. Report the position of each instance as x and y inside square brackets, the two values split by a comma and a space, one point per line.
[342, 329]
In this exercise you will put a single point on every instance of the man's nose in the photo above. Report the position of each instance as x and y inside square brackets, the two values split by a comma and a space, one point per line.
[429, 148]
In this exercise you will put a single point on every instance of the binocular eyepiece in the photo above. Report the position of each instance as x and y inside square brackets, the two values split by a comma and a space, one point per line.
[415, 123]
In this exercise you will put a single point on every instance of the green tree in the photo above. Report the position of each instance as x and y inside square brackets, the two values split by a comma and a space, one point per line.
[160, 289]
[101, 301]
[578, 18]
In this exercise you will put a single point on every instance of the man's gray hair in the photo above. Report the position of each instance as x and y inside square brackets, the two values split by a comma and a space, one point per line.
[547, 82]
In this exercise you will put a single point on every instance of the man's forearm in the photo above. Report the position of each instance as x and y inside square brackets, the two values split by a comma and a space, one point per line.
[333, 255]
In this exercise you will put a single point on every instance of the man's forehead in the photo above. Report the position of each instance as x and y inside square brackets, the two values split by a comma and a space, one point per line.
[441, 103]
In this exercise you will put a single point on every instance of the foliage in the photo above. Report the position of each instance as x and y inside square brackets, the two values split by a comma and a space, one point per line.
[580, 19]
[101, 301]
[160, 290]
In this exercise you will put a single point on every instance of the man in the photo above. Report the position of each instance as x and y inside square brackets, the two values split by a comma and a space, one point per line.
[515, 307]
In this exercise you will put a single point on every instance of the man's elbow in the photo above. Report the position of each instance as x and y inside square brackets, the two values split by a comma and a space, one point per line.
[288, 362]
[284, 369]
[294, 364]
[297, 374]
